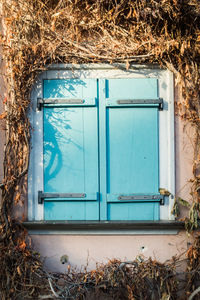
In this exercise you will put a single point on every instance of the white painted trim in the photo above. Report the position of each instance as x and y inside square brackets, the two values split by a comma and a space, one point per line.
[93, 66]
[104, 232]
[35, 174]
[171, 145]
[166, 126]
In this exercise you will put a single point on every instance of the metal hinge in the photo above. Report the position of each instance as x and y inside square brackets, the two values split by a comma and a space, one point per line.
[143, 101]
[41, 102]
[42, 196]
[143, 197]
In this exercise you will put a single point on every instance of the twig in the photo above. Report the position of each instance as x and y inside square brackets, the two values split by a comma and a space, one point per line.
[52, 289]
[46, 296]
[194, 293]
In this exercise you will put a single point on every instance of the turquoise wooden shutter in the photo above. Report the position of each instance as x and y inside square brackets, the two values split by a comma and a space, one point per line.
[128, 150]
[101, 149]
[71, 150]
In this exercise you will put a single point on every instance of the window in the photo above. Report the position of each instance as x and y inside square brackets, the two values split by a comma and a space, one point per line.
[102, 145]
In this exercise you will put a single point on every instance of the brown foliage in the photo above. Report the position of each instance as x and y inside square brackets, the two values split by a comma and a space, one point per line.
[42, 32]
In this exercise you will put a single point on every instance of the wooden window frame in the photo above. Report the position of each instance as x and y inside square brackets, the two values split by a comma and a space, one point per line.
[103, 71]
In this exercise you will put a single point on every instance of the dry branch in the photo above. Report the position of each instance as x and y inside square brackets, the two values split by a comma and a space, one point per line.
[41, 32]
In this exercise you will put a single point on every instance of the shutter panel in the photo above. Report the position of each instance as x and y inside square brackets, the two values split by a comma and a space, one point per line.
[127, 147]
[71, 151]
[131, 150]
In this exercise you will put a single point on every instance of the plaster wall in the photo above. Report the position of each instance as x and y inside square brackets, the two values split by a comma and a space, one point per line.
[89, 250]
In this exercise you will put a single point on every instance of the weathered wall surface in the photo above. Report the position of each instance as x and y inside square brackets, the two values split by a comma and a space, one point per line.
[89, 250]
[185, 137]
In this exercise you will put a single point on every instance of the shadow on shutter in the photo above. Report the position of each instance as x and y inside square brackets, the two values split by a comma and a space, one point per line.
[70, 150]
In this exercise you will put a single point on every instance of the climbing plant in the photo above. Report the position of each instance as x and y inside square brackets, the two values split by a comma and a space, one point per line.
[38, 33]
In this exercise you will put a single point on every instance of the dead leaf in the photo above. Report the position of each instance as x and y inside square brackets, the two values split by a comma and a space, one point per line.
[17, 197]
[22, 246]
[19, 271]
[3, 115]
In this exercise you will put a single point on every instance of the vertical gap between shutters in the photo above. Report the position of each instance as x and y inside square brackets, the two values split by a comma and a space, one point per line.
[158, 134]
[83, 119]
[43, 142]
[97, 105]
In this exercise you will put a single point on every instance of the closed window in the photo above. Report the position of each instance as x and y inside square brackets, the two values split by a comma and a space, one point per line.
[101, 149]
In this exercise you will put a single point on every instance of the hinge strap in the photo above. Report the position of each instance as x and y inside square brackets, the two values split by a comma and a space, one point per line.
[142, 197]
[41, 102]
[42, 196]
[142, 101]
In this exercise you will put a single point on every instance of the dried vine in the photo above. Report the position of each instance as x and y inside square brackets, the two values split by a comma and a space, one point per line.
[41, 32]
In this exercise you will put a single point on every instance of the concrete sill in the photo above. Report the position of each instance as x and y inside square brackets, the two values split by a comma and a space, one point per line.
[104, 227]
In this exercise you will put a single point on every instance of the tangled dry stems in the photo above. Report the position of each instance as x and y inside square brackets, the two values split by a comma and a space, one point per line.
[38, 33]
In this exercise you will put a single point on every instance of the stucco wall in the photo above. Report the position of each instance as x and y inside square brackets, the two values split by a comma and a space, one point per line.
[185, 136]
[89, 250]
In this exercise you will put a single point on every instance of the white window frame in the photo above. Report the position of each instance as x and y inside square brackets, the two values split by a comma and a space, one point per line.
[104, 71]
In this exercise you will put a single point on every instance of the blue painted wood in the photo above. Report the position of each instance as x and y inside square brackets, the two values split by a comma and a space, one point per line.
[133, 211]
[74, 210]
[71, 151]
[108, 148]
[70, 88]
[132, 88]
[132, 149]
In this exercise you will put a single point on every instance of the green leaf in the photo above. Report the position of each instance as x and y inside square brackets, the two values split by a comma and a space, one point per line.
[183, 202]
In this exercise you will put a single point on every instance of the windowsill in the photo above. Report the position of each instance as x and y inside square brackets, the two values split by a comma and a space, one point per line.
[104, 227]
